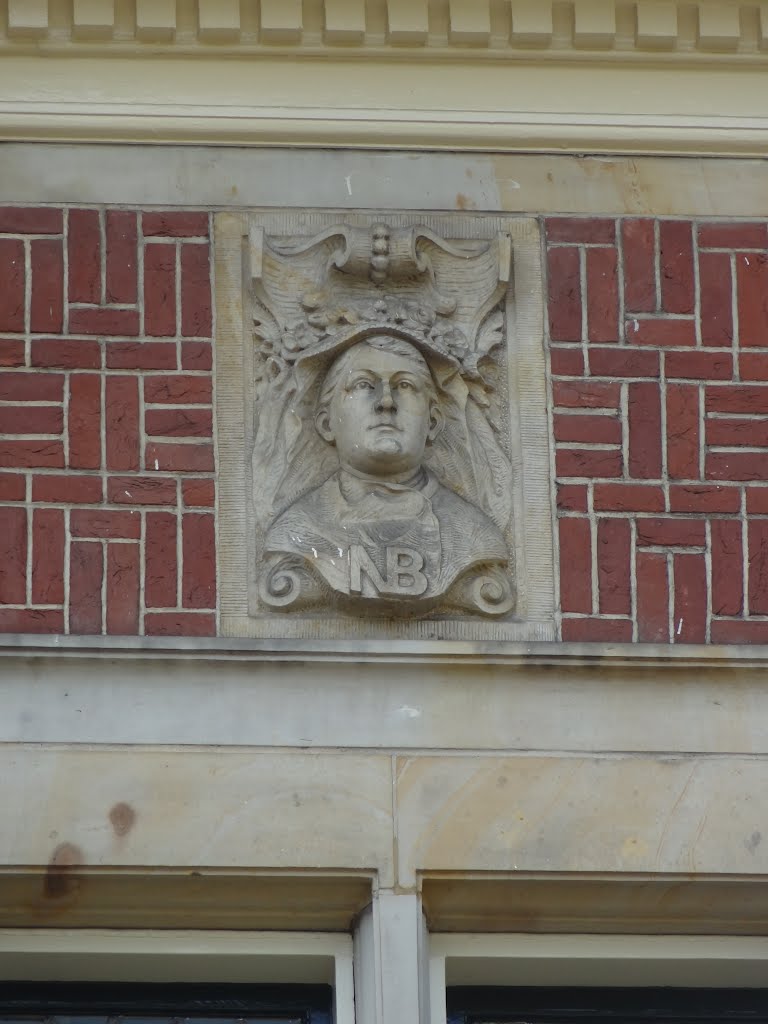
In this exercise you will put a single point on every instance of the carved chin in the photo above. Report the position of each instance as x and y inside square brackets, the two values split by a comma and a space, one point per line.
[387, 445]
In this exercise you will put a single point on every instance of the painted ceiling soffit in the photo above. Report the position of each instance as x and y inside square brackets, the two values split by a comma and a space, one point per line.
[479, 30]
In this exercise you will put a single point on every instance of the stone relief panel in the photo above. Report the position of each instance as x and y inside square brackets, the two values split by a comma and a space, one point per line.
[382, 428]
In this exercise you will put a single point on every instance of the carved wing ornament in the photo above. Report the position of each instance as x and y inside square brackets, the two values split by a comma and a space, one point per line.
[413, 325]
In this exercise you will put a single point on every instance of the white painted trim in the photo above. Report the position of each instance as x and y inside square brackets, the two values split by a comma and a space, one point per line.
[391, 961]
[344, 983]
[437, 1009]
[609, 960]
[82, 954]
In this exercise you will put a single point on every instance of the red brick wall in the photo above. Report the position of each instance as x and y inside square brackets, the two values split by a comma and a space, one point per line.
[659, 354]
[658, 337]
[106, 436]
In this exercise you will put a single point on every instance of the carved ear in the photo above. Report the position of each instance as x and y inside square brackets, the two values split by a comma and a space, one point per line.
[436, 422]
[323, 424]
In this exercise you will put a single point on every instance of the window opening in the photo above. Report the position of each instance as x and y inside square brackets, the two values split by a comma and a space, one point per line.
[500, 1005]
[116, 1003]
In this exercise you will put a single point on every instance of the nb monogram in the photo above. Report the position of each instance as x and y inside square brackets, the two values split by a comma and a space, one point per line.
[404, 576]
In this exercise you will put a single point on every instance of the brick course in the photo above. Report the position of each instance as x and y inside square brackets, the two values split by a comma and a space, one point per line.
[82, 488]
[658, 345]
[672, 547]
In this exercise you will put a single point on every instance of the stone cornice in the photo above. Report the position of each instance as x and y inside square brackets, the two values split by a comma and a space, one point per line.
[367, 101]
[482, 29]
[579, 76]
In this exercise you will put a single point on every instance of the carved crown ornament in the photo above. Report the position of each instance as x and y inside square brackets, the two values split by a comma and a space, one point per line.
[384, 477]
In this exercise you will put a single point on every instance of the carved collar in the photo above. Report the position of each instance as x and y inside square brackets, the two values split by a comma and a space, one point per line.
[356, 487]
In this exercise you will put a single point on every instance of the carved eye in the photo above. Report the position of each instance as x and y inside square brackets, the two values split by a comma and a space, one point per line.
[363, 385]
[405, 385]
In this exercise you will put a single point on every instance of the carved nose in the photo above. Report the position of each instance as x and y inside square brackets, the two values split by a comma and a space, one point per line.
[386, 402]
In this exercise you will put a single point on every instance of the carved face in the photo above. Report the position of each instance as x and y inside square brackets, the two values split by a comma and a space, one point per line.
[382, 409]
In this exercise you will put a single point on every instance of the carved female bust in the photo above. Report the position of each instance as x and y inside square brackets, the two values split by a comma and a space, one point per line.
[379, 481]
[382, 532]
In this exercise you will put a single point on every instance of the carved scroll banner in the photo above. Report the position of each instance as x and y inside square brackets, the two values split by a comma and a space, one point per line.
[382, 428]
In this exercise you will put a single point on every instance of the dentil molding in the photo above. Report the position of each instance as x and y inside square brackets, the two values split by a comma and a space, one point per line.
[442, 28]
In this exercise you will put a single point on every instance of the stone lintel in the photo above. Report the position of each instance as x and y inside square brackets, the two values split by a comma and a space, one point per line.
[87, 897]
[610, 903]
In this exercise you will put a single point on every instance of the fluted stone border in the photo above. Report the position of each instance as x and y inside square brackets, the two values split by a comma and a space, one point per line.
[533, 556]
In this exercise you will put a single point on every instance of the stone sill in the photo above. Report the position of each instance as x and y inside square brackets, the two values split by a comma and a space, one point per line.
[438, 652]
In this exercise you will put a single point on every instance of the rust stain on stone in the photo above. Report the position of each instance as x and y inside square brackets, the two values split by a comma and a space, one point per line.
[464, 202]
[61, 878]
[122, 817]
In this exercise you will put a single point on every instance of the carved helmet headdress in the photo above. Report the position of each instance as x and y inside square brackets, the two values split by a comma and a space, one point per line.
[314, 299]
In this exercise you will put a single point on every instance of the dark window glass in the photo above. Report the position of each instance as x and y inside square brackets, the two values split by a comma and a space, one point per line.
[469, 1005]
[107, 1003]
